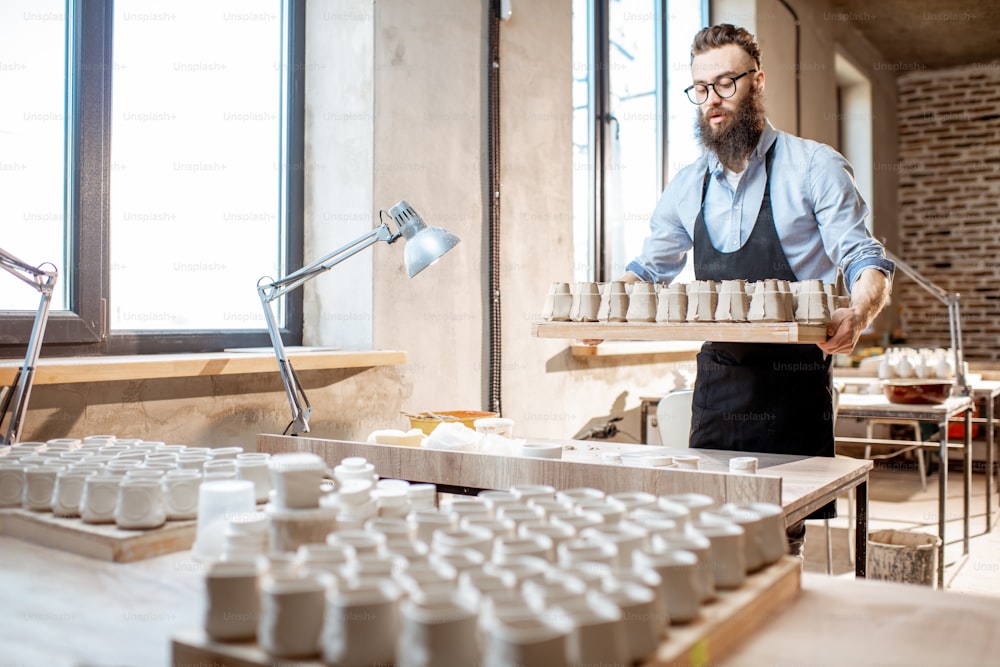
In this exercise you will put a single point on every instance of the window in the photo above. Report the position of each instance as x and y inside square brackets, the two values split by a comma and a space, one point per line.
[165, 138]
[632, 125]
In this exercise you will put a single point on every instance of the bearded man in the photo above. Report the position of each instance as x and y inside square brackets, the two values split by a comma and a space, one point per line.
[762, 204]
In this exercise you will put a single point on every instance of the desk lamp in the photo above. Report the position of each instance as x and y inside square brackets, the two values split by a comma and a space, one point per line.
[42, 280]
[424, 246]
[949, 299]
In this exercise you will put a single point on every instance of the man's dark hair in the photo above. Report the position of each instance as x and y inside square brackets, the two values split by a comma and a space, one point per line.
[715, 36]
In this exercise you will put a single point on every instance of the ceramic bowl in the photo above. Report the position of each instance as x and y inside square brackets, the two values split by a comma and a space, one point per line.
[428, 421]
[912, 391]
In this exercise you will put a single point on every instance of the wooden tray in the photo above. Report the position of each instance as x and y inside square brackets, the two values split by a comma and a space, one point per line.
[100, 541]
[720, 332]
[721, 627]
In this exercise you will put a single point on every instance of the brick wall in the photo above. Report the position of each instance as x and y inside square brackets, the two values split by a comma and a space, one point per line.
[949, 204]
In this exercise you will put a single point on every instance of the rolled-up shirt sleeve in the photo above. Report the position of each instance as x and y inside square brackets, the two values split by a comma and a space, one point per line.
[664, 252]
[841, 213]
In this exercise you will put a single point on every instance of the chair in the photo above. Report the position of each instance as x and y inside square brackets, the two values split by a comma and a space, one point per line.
[673, 418]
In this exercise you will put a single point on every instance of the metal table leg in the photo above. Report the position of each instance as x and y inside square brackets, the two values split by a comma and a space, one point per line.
[942, 496]
[861, 530]
[990, 454]
[967, 481]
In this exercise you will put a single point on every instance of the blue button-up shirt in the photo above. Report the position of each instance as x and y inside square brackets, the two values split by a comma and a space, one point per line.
[818, 213]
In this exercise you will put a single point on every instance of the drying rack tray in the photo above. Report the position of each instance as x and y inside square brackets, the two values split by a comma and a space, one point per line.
[721, 627]
[100, 541]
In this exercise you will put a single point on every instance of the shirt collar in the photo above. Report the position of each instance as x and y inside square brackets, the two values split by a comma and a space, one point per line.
[767, 137]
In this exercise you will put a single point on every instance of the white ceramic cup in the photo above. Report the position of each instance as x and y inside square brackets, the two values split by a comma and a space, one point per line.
[297, 479]
[743, 464]
[12, 483]
[362, 624]
[140, 504]
[701, 547]
[232, 607]
[39, 485]
[773, 538]
[753, 525]
[69, 491]
[643, 615]
[598, 636]
[180, 494]
[257, 471]
[729, 564]
[437, 631]
[291, 616]
[515, 637]
[218, 502]
[680, 589]
[100, 496]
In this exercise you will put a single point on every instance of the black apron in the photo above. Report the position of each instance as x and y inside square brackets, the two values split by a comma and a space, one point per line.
[759, 397]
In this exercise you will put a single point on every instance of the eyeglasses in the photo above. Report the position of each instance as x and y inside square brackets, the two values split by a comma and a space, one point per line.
[724, 87]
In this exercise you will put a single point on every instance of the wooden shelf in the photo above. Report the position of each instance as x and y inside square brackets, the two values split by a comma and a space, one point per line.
[674, 350]
[737, 332]
[152, 366]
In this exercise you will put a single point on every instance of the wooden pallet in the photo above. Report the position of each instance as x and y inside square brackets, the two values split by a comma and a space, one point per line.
[100, 541]
[722, 625]
[720, 332]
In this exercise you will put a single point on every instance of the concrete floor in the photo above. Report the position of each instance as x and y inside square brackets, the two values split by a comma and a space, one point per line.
[896, 500]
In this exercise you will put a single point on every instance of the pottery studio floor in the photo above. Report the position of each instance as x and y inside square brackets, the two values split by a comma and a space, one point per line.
[896, 500]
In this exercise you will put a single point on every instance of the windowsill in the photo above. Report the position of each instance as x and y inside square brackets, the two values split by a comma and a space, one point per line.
[675, 350]
[154, 366]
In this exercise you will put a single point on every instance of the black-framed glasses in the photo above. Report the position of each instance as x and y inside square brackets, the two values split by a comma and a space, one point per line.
[724, 87]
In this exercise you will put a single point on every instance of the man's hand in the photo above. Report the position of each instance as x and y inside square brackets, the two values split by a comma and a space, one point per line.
[868, 296]
[844, 331]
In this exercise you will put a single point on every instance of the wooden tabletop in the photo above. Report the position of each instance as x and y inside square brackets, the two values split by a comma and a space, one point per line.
[878, 406]
[800, 484]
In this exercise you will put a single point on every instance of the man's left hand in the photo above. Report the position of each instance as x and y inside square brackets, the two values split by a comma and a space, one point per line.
[844, 331]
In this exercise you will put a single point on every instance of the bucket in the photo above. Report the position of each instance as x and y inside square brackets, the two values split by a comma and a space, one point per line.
[903, 556]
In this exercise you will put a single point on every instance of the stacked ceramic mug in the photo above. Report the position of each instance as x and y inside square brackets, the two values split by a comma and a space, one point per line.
[526, 575]
[135, 484]
[771, 300]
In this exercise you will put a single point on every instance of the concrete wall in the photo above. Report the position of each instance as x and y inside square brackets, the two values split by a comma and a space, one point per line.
[412, 124]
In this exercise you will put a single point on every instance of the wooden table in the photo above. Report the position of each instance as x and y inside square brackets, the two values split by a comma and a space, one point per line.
[71, 610]
[877, 406]
[800, 484]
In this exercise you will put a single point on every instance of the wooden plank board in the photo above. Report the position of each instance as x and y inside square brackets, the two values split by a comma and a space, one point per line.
[149, 366]
[719, 630]
[489, 471]
[100, 541]
[732, 332]
[732, 618]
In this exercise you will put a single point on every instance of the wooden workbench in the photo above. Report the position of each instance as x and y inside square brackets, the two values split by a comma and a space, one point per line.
[799, 484]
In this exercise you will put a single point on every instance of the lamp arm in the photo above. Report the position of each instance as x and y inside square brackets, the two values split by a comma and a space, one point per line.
[951, 300]
[941, 295]
[278, 288]
[275, 289]
[43, 280]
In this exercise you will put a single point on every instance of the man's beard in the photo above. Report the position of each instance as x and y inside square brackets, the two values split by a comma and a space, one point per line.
[735, 140]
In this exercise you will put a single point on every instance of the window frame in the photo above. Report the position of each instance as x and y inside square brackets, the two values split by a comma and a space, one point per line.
[602, 123]
[83, 328]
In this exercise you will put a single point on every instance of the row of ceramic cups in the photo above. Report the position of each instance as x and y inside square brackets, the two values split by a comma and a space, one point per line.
[134, 484]
[678, 549]
[808, 302]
